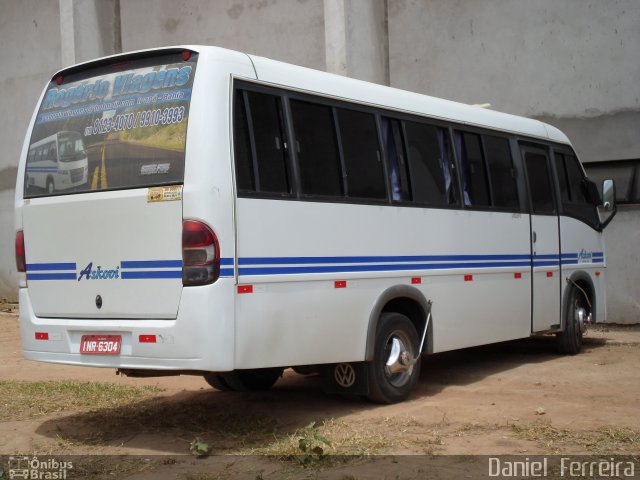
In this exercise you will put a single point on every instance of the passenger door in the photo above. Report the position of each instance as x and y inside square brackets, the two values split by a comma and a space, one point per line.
[545, 240]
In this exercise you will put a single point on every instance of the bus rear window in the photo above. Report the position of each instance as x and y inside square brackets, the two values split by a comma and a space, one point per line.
[112, 127]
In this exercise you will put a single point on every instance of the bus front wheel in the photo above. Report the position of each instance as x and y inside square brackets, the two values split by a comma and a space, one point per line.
[395, 368]
[578, 310]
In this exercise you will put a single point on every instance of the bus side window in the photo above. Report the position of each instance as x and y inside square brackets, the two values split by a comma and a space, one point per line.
[317, 149]
[362, 159]
[475, 185]
[502, 173]
[267, 170]
[396, 159]
[429, 164]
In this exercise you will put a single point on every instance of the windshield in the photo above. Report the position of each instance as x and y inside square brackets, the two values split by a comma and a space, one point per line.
[112, 127]
[70, 147]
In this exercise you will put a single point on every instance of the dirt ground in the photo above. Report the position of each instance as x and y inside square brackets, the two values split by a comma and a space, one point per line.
[511, 398]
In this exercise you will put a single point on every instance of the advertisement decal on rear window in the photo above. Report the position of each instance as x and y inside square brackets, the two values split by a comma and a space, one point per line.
[112, 127]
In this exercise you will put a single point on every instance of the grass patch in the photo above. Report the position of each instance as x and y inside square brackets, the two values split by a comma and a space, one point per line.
[21, 400]
[336, 438]
[604, 440]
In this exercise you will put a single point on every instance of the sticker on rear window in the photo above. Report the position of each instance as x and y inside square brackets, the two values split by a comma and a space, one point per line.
[164, 194]
[112, 127]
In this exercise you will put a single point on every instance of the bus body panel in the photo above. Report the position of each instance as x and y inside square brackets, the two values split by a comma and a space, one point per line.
[583, 254]
[305, 247]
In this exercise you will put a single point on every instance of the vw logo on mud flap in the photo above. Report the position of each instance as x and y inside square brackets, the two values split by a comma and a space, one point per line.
[344, 375]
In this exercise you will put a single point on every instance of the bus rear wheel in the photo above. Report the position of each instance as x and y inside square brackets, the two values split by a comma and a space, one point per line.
[254, 380]
[395, 368]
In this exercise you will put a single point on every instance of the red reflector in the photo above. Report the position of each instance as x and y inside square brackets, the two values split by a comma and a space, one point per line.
[416, 280]
[340, 284]
[549, 274]
[186, 55]
[59, 80]
[245, 288]
[21, 262]
[147, 339]
[597, 274]
[517, 275]
[42, 336]
[468, 278]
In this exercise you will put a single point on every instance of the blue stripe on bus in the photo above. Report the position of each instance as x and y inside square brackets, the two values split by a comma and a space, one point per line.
[150, 274]
[50, 266]
[226, 272]
[373, 259]
[151, 264]
[226, 261]
[375, 268]
[51, 276]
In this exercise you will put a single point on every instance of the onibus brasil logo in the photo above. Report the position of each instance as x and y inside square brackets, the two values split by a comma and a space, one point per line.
[98, 273]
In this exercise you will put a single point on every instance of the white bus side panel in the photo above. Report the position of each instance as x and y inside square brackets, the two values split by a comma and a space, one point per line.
[291, 253]
[583, 252]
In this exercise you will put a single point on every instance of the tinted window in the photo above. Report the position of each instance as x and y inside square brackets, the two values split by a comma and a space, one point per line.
[539, 182]
[428, 154]
[561, 171]
[475, 185]
[573, 188]
[320, 171]
[362, 159]
[242, 145]
[501, 173]
[575, 179]
[269, 140]
[396, 159]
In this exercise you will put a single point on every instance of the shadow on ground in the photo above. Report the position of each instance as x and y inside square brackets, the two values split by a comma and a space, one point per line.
[237, 422]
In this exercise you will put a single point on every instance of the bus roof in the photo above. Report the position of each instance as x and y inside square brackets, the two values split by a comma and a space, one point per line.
[337, 86]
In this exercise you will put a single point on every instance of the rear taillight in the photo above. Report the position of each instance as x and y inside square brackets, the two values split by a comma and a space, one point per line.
[21, 262]
[200, 254]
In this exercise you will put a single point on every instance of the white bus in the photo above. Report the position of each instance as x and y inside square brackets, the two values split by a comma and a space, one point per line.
[248, 216]
[57, 162]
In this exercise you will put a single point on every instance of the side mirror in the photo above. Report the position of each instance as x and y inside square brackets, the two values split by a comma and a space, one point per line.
[608, 201]
[608, 194]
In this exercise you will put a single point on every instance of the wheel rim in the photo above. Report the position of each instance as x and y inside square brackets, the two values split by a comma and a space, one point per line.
[50, 187]
[399, 358]
[580, 316]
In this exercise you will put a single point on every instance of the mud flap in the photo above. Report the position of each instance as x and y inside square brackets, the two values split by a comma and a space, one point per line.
[346, 378]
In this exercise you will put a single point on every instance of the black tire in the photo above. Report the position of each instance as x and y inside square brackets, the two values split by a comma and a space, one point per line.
[569, 341]
[385, 385]
[255, 380]
[217, 382]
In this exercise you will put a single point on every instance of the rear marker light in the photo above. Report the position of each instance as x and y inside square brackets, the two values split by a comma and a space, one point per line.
[340, 284]
[42, 336]
[468, 278]
[186, 55]
[517, 275]
[416, 280]
[200, 254]
[21, 262]
[245, 288]
[549, 274]
[597, 274]
[59, 79]
[147, 339]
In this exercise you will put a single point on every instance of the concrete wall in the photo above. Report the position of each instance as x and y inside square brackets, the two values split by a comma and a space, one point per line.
[623, 261]
[290, 30]
[573, 63]
[30, 53]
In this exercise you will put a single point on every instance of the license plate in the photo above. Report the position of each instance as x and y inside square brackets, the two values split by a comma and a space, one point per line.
[100, 344]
